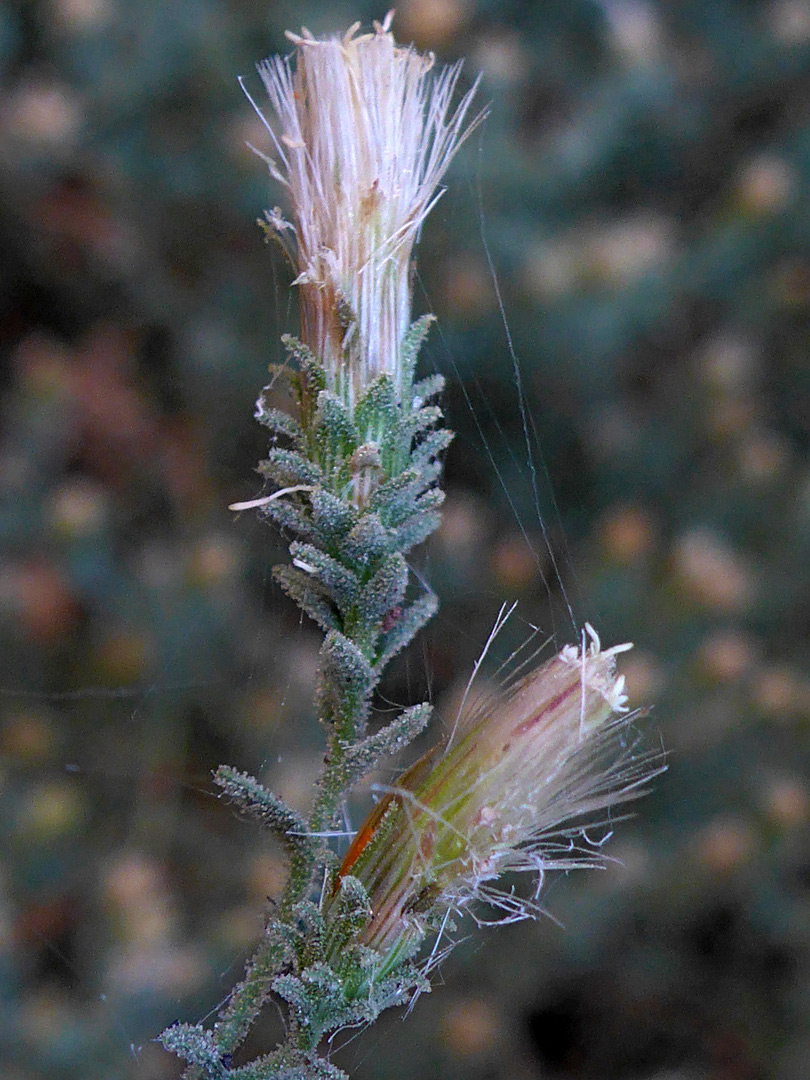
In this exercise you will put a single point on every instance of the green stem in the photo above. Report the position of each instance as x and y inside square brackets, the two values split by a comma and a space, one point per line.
[350, 575]
[248, 997]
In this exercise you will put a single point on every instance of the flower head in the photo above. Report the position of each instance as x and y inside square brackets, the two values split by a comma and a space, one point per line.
[366, 133]
[507, 791]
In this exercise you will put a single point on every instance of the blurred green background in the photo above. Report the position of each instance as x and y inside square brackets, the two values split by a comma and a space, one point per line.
[642, 184]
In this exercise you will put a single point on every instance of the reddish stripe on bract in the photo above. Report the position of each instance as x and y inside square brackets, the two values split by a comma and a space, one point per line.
[362, 840]
[527, 725]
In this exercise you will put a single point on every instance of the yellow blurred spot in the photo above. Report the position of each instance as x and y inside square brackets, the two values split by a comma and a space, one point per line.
[627, 533]
[725, 844]
[470, 1027]
[712, 572]
[430, 23]
[52, 810]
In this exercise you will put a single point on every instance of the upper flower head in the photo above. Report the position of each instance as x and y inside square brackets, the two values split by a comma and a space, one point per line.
[366, 134]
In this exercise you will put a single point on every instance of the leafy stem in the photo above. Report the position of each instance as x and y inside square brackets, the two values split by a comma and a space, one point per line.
[357, 488]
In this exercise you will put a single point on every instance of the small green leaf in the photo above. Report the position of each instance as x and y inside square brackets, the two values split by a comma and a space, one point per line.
[332, 517]
[248, 997]
[345, 686]
[407, 626]
[412, 424]
[367, 543]
[197, 1046]
[384, 591]
[364, 756]
[394, 499]
[287, 515]
[417, 528]
[427, 388]
[310, 933]
[429, 447]
[339, 582]
[348, 913]
[291, 829]
[411, 344]
[280, 422]
[309, 594]
[334, 430]
[288, 467]
[310, 378]
[377, 410]
[289, 1064]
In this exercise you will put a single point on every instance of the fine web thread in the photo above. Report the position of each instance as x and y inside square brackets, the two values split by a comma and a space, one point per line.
[524, 412]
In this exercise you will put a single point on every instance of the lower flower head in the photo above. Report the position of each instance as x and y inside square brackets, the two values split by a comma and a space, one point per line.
[508, 790]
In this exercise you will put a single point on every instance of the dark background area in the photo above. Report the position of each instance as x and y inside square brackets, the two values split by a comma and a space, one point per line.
[642, 181]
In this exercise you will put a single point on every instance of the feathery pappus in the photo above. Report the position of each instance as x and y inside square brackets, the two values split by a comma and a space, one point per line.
[509, 790]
